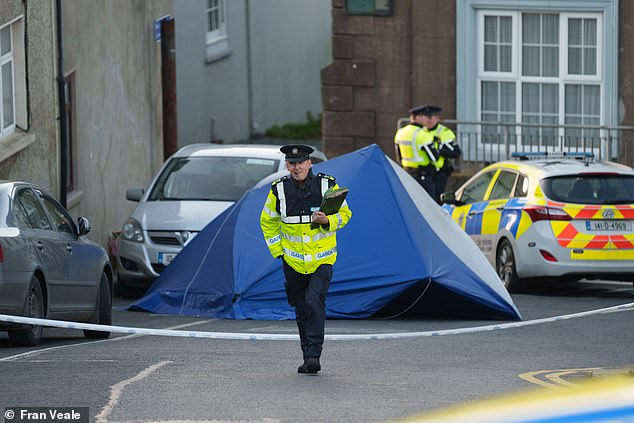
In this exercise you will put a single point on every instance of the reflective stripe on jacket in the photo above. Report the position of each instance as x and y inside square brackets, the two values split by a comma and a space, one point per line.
[435, 142]
[286, 221]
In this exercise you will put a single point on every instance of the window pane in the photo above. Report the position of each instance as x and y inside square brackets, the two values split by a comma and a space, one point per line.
[574, 61]
[589, 61]
[590, 32]
[505, 58]
[550, 98]
[530, 61]
[7, 95]
[591, 100]
[490, 58]
[531, 28]
[573, 99]
[33, 210]
[5, 40]
[507, 100]
[550, 61]
[489, 96]
[61, 222]
[475, 190]
[506, 29]
[490, 29]
[530, 98]
[574, 32]
[503, 186]
[551, 29]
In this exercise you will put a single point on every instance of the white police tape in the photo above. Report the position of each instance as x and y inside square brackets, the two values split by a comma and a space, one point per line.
[289, 337]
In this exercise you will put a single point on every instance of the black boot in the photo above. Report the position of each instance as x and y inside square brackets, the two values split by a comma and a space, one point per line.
[312, 365]
[304, 367]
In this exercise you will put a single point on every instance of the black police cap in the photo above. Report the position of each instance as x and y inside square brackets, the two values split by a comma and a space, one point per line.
[426, 109]
[296, 153]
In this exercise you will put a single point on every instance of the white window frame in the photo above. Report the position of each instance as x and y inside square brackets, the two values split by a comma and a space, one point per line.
[515, 75]
[515, 40]
[217, 40]
[5, 59]
[468, 84]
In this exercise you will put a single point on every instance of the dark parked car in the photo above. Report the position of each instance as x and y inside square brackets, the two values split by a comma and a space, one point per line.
[48, 269]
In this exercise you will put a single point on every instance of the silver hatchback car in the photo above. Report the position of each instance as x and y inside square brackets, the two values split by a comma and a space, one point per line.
[48, 269]
[192, 187]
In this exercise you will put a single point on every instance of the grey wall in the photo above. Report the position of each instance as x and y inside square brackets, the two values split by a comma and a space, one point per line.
[110, 46]
[289, 43]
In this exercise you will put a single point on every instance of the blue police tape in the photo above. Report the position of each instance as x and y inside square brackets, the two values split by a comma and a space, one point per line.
[288, 337]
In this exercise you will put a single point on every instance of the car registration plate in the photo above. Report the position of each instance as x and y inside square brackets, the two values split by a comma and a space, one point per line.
[166, 258]
[608, 225]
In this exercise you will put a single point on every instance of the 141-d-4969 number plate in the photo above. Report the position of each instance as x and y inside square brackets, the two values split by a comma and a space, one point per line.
[608, 225]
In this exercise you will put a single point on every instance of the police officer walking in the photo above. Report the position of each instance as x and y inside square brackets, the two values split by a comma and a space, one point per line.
[438, 145]
[307, 254]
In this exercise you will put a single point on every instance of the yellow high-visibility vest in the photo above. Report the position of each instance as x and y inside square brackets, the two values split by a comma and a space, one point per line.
[409, 140]
[436, 139]
[304, 249]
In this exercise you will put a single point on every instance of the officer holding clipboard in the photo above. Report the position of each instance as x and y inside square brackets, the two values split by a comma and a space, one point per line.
[304, 237]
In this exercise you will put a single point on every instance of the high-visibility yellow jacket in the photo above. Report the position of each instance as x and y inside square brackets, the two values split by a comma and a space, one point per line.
[409, 139]
[437, 144]
[286, 219]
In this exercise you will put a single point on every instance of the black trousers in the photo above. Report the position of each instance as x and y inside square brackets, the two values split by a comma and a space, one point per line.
[426, 180]
[307, 293]
[440, 184]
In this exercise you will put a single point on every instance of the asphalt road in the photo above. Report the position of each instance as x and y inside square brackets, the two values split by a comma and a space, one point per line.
[152, 378]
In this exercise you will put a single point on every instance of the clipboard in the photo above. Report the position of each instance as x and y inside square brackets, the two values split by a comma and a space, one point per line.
[331, 202]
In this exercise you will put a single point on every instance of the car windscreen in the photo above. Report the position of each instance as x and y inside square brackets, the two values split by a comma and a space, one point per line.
[210, 178]
[590, 188]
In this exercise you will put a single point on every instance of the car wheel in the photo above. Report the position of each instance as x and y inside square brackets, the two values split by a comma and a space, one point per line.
[33, 307]
[505, 266]
[103, 313]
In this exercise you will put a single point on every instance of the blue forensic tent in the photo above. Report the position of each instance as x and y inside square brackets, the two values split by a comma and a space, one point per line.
[399, 253]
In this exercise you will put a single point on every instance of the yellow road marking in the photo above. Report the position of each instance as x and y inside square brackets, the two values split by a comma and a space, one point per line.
[554, 380]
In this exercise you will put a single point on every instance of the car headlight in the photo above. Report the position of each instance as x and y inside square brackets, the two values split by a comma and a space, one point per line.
[132, 231]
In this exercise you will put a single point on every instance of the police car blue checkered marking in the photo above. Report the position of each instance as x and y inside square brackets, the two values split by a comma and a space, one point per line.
[511, 215]
[474, 218]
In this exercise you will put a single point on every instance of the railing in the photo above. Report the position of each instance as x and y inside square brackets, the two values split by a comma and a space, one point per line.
[486, 142]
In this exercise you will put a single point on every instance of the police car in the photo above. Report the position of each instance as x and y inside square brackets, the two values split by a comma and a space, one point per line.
[548, 216]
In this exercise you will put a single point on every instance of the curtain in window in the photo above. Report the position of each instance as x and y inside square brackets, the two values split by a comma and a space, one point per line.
[582, 107]
[498, 105]
[582, 46]
[498, 43]
[540, 44]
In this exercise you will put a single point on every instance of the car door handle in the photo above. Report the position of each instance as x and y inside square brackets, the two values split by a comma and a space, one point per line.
[69, 248]
[499, 208]
[39, 245]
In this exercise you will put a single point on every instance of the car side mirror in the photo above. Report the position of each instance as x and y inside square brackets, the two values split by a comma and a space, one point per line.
[134, 194]
[448, 198]
[83, 225]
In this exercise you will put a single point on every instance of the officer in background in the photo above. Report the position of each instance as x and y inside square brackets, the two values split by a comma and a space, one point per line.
[438, 145]
[307, 254]
[408, 141]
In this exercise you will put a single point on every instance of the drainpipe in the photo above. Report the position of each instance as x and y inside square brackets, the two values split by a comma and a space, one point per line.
[247, 14]
[61, 95]
[168, 75]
